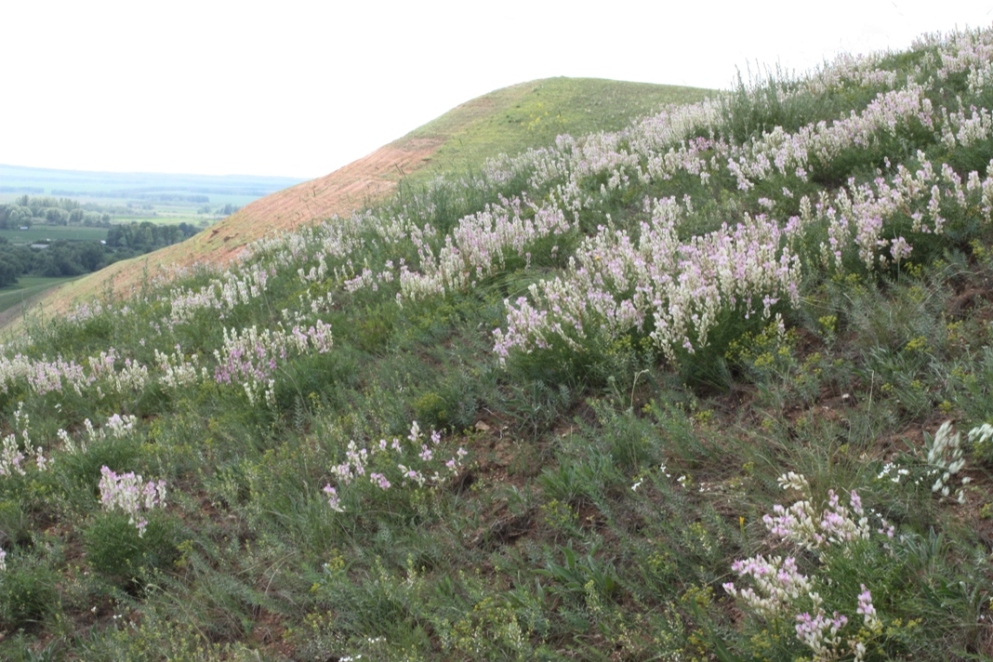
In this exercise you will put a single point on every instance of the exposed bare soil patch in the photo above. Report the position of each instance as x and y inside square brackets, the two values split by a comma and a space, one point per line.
[361, 182]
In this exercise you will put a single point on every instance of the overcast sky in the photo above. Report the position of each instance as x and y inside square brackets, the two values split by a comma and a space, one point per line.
[301, 88]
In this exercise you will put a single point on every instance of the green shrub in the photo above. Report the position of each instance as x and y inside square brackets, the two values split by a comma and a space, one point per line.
[116, 551]
[28, 593]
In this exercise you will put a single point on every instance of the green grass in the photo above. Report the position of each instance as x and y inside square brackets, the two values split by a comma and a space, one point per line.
[532, 114]
[44, 233]
[26, 288]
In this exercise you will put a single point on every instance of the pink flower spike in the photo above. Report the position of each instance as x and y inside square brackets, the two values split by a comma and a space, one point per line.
[380, 481]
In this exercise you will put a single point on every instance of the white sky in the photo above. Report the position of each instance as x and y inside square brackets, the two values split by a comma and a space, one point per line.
[300, 88]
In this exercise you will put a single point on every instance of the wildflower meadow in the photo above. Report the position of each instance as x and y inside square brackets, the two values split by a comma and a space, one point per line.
[715, 386]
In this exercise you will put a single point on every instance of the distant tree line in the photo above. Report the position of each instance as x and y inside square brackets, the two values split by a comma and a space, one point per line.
[74, 258]
[22, 189]
[224, 211]
[145, 237]
[156, 197]
[25, 211]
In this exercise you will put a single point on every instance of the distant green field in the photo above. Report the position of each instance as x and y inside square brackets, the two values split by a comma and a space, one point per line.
[27, 287]
[37, 233]
[159, 198]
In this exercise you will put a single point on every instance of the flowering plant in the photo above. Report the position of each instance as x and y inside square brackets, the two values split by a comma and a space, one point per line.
[127, 492]
[779, 590]
[413, 461]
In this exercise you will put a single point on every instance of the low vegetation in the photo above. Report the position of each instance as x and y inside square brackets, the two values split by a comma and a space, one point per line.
[530, 115]
[712, 386]
[76, 251]
[16, 299]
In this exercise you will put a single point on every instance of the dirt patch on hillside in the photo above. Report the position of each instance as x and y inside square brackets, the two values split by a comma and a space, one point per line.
[370, 179]
[367, 180]
[16, 312]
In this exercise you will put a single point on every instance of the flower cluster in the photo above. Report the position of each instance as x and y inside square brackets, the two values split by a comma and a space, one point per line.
[779, 590]
[222, 294]
[12, 456]
[778, 584]
[981, 435]
[411, 461]
[86, 310]
[127, 492]
[892, 472]
[116, 427]
[44, 376]
[177, 371]
[478, 247]
[616, 285]
[246, 356]
[820, 633]
[807, 526]
[250, 357]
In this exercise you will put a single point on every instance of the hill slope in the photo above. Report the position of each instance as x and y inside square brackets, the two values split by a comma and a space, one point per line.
[716, 386]
[502, 122]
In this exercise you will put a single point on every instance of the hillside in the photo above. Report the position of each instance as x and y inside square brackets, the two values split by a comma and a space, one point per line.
[502, 122]
[715, 385]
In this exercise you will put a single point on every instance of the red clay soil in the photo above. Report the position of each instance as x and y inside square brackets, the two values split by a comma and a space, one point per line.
[371, 178]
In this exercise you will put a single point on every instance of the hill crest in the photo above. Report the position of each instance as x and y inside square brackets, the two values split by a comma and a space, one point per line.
[503, 121]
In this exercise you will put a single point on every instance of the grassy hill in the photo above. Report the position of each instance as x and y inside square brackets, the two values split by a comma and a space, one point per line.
[505, 121]
[714, 385]
[531, 115]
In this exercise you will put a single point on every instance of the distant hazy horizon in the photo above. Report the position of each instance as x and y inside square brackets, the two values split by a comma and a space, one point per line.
[9, 169]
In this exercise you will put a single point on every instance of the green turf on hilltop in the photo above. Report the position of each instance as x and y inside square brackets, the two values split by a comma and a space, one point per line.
[512, 119]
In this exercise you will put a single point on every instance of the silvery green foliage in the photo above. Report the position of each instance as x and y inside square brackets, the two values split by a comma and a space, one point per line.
[945, 458]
